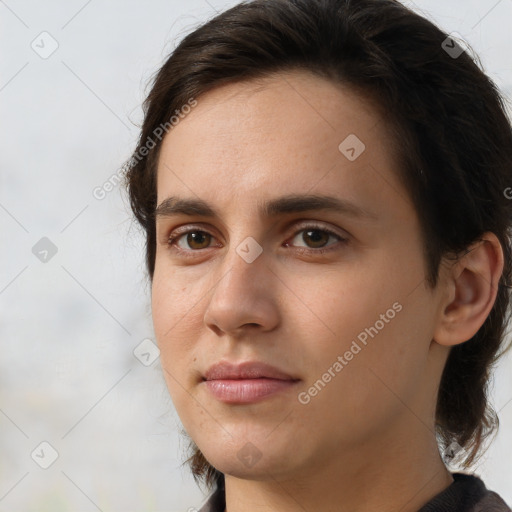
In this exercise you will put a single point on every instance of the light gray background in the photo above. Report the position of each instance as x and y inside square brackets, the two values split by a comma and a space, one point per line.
[68, 375]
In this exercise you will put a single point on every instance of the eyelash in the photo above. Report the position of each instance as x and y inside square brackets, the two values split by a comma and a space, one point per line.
[312, 227]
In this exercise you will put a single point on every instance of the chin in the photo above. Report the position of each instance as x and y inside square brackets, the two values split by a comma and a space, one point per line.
[258, 460]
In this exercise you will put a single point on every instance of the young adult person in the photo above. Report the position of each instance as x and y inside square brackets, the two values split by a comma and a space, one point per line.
[328, 244]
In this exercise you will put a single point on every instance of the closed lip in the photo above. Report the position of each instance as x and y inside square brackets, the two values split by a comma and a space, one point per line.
[225, 370]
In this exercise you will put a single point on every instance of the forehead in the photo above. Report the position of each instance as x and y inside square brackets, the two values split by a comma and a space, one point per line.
[292, 129]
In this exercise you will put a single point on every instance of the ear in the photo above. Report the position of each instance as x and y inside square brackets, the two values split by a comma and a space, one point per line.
[471, 287]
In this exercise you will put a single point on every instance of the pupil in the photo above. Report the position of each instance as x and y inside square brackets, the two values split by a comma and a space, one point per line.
[318, 238]
[196, 238]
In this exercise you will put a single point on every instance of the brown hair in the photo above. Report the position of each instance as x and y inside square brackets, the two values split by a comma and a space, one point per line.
[451, 131]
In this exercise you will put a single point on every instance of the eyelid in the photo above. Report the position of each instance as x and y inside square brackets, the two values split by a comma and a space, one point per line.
[312, 224]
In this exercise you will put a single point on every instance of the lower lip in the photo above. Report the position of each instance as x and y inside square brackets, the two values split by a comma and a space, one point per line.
[244, 391]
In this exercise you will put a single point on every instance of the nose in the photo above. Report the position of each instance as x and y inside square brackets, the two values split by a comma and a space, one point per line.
[244, 296]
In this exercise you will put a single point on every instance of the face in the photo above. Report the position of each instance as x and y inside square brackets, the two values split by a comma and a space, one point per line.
[330, 291]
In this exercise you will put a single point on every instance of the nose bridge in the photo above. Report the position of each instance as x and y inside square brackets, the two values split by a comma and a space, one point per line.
[243, 262]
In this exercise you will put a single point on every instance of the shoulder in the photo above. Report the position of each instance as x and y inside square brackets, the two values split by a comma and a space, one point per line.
[491, 502]
[467, 493]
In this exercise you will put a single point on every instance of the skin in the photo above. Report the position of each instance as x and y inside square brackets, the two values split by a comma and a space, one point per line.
[366, 440]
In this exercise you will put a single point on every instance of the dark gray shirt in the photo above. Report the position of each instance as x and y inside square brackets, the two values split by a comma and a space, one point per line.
[467, 493]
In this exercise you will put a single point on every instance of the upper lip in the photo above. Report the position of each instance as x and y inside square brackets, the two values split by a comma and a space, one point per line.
[245, 370]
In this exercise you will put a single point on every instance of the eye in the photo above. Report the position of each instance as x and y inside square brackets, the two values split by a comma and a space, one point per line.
[316, 237]
[194, 238]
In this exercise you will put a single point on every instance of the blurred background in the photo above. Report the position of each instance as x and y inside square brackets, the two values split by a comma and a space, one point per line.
[86, 423]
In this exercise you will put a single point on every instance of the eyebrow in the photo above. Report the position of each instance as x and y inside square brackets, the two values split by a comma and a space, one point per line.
[173, 205]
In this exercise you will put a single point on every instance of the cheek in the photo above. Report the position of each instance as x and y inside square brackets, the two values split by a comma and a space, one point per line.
[367, 394]
[175, 322]
[337, 307]
[174, 302]
[382, 339]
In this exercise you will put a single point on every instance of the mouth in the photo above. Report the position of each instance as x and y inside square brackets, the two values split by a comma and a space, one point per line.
[246, 382]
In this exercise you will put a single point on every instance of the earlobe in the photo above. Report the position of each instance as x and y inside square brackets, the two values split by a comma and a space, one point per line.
[472, 285]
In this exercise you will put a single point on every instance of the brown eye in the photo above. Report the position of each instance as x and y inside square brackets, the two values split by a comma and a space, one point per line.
[315, 237]
[198, 239]
[195, 240]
